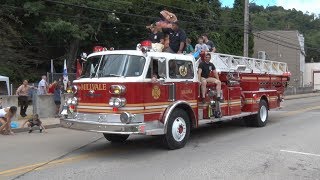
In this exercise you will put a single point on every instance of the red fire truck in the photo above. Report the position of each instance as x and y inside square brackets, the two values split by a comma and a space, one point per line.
[117, 96]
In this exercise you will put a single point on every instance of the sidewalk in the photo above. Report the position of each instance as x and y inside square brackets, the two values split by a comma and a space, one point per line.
[55, 122]
[298, 96]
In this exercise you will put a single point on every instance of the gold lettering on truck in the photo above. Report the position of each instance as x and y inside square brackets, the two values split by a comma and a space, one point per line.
[94, 87]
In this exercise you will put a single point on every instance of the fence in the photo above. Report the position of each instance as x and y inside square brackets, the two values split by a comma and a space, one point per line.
[56, 76]
[40, 104]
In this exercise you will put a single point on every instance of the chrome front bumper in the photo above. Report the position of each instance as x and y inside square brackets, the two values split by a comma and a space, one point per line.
[112, 128]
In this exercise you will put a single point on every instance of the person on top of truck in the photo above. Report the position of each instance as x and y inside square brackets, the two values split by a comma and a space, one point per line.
[156, 36]
[177, 38]
[201, 46]
[204, 70]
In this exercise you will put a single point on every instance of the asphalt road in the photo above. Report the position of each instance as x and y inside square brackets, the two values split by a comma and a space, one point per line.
[287, 148]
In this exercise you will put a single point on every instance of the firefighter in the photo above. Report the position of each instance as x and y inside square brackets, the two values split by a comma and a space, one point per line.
[204, 70]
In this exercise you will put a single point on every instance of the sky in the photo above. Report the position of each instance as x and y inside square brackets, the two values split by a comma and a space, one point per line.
[312, 6]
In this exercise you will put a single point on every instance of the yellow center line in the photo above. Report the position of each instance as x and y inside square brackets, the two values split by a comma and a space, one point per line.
[40, 166]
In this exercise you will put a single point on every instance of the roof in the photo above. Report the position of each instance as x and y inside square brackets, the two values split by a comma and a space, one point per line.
[292, 39]
[4, 78]
[139, 53]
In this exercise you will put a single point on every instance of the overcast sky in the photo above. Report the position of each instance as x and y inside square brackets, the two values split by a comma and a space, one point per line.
[312, 6]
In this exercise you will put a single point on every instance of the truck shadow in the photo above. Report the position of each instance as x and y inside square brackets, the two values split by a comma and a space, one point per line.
[147, 146]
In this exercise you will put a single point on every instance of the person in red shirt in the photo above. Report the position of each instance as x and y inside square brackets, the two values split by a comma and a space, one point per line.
[52, 87]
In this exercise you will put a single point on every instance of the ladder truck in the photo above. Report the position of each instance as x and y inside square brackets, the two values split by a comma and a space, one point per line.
[116, 96]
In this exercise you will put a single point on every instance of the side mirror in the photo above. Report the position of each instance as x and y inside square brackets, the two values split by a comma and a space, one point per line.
[161, 81]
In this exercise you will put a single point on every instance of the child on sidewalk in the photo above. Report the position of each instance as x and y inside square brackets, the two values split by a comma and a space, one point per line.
[35, 121]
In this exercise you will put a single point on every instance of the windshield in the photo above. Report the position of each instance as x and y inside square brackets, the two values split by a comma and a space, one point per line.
[114, 65]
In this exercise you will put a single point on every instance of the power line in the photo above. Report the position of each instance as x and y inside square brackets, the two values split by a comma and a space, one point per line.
[174, 7]
[109, 11]
[80, 17]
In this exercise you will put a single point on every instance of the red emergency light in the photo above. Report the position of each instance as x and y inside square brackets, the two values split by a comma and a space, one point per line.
[287, 74]
[146, 43]
[99, 49]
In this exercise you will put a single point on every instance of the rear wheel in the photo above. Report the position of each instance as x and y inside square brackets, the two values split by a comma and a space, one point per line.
[116, 138]
[261, 118]
[178, 130]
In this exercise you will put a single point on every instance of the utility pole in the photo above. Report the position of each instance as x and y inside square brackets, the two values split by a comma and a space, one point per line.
[246, 29]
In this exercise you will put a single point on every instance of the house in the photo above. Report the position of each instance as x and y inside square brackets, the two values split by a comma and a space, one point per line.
[284, 46]
[312, 75]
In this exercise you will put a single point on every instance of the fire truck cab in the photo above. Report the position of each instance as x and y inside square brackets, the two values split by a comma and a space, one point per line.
[128, 92]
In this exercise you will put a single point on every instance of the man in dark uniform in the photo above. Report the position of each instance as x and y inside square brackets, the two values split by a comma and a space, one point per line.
[204, 70]
[177, 38]
[156, 36]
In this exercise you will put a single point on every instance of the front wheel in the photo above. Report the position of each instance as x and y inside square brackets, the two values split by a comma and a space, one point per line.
[178, 130]
[261, 118]
[116, 138]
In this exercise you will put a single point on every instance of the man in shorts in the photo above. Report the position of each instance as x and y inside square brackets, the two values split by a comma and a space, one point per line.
[204, 70]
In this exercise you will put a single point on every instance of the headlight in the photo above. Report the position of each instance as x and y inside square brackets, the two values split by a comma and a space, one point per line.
[126, 117]
[72, 101]
[117, 89]
[117, 102]
[69, 101]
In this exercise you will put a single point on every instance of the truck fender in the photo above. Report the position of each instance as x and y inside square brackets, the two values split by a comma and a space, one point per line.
[178, 104]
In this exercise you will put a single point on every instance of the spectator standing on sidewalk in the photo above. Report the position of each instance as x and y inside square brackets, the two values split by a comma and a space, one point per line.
[6, 115]
[57, 98]
[52, 86]
[23, 93]
[34, 121]
[43, 86]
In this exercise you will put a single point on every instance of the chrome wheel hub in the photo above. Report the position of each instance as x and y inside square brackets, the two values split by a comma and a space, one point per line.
[179, 129]
[263, 113]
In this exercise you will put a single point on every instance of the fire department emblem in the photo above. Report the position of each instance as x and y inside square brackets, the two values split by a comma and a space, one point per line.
[156, 92]
[183, 71]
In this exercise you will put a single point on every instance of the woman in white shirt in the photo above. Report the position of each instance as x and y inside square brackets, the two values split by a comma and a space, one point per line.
[6, 115]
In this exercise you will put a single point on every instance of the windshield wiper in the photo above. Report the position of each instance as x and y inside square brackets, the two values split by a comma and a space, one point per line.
[113, 75]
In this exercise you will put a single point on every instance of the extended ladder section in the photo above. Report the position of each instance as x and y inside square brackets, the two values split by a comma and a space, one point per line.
[230, 63]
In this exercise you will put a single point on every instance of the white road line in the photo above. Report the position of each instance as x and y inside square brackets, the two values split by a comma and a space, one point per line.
[297, 152]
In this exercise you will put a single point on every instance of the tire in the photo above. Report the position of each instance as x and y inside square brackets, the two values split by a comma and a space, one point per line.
[261, 118]
[116, 138]
[178, 130]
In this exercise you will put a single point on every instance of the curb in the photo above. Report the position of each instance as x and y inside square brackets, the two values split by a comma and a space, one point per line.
[300, 96]
[19, 130]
